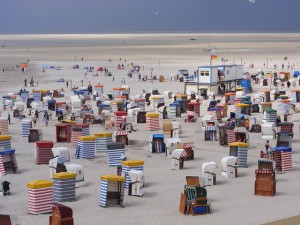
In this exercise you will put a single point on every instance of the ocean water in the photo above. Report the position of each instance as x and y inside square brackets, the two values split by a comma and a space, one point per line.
[209, 39]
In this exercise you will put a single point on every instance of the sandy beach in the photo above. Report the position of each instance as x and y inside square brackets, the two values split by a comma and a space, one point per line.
[233, 200]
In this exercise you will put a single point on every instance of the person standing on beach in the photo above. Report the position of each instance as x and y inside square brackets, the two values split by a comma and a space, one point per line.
[81, 83]
[25, 82]
[34, 119]
[67, 83]
[113, 79]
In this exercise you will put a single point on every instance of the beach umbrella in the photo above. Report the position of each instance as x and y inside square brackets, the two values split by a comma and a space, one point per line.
[86, 67]
[44, 66]
[100, 69]
[24, 65]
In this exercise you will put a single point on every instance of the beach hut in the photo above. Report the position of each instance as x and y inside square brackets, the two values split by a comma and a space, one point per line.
[122, 136]
[141, 102]
[3, 125]
[40, 196]
[188, 147]
[120, 98]
[99, 88]
[242, 108]
[156, 101]
[102, 139]
[182, 105]
[286, 127]
[208, 173]
[152, 121]
[64, 185]
[141, 117]
[59, 106]
[137, 183]
[35, 134]
[43, 152]
[76, 131]
[229, 166]
[102, 107]
[4, 99]
[61, 152]
[265, 182]
[112, 190]
[76, 104]
[175, 110]
[84, 127]
[5, 141]
[117, 91]
[295, 95]
[194, 201]
[267, 95]
[271, 115]
[29, 101]
[8, 161]
[283, 158]
[26, 125]
[63, 132]
[57, 165]
[229, 98]
[85, 147]
[18, 110]
[167, 128]
[24, 95]
[222, 107]
[51, 105]
[210, 133]
[177, 159]
[61, 214]
[129, 165]
[195, 107]
[120, 118]
[224, 133]
[180, 96]
[37, 95]
[157, 144]
[115, 152]
[255, 107]
[284, 139]
[171, 145]
[246, 83]
[285, 106]
[268, 131]
[78, 169]
[168, 94]
[239, 150]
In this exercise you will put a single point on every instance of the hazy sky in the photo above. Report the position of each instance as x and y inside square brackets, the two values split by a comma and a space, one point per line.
[98, 16]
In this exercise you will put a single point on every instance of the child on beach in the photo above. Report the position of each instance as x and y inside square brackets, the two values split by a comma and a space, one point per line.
[262, 154]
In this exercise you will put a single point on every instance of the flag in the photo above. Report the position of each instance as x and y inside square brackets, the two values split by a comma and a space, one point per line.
[213, 55]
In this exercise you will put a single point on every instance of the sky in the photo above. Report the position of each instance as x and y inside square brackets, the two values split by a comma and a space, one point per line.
[134, 16]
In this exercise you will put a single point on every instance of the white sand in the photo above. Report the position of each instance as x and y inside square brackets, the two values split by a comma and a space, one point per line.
[233, 201]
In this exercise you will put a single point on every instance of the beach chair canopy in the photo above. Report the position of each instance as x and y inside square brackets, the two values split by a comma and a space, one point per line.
[228, 161]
